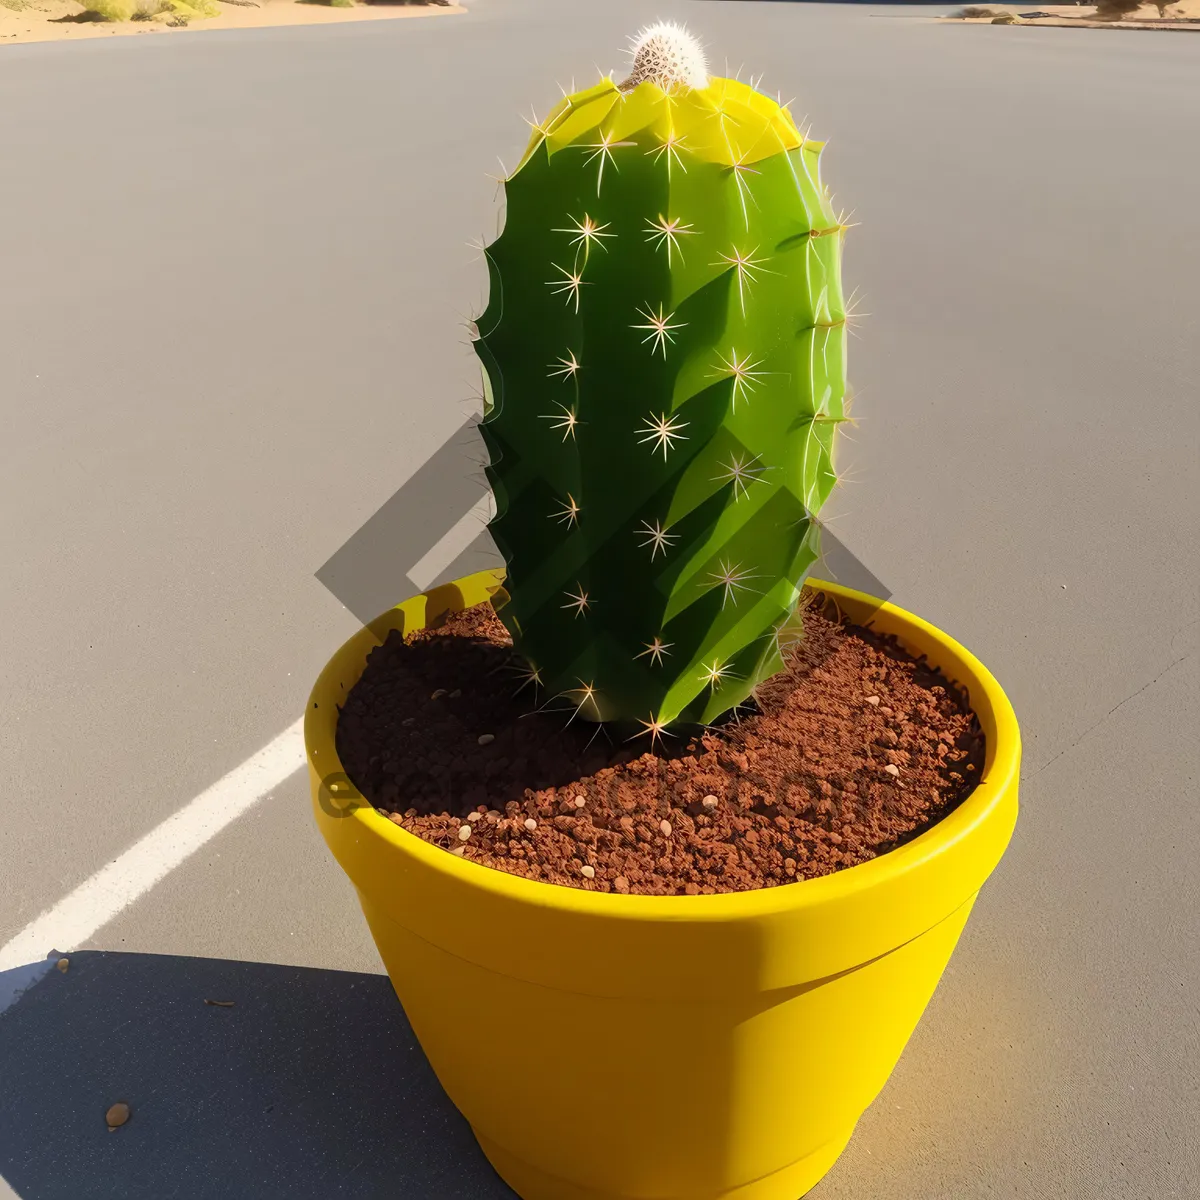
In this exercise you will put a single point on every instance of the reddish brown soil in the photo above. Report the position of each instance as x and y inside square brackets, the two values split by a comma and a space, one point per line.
[855, 749]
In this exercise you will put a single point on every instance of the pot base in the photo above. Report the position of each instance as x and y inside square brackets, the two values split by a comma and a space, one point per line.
[790, 1183]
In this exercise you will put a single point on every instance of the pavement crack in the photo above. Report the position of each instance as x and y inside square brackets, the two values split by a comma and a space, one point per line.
[1096, 725]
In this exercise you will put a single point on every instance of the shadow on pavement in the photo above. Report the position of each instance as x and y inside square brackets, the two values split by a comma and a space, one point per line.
[370, 572]
[374, 569]
[310, 1085]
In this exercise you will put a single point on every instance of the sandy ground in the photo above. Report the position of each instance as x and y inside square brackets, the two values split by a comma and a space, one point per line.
[1181, 17]
[57, 20]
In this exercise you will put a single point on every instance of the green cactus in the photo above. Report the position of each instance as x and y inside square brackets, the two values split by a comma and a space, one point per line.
[664, 373]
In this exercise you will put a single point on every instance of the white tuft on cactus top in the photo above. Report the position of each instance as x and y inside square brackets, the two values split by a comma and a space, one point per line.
[666, 54]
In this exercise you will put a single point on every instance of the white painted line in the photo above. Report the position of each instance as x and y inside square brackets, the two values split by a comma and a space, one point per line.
[115, 887]
[461, 534]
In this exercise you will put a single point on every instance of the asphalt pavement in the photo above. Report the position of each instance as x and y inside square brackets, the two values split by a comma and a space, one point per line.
[234, 271]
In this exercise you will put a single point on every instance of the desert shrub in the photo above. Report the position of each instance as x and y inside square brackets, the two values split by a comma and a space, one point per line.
[177, 12]
[194, 10]
[974, 12]
[109, 10]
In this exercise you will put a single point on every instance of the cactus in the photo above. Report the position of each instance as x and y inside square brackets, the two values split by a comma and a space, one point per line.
[663, 355]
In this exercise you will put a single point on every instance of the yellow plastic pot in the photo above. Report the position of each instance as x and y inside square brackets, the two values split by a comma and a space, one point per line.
[608, 1047]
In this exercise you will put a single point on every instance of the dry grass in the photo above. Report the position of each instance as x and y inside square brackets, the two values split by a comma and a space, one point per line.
[177, 12]
[109, 10]
[191, 10]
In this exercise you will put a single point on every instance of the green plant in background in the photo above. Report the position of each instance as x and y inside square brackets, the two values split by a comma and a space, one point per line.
[664, 373]
[178, 11]
[109, 10]
[193, 10]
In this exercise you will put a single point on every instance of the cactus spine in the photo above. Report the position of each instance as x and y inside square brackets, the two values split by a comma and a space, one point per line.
[663, 353]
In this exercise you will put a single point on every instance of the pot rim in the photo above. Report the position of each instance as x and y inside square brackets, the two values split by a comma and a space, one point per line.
[991, 794]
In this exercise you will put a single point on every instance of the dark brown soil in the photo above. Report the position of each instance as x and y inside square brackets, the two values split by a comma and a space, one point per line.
[855, 749]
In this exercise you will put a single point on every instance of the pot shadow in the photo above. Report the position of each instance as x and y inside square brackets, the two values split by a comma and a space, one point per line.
[310, 1084]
